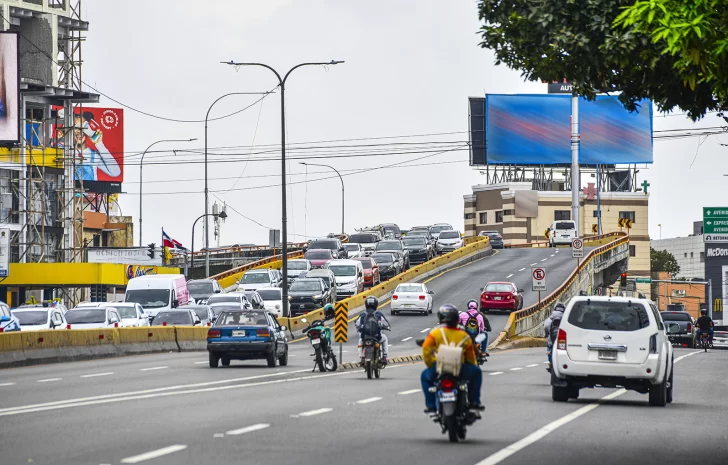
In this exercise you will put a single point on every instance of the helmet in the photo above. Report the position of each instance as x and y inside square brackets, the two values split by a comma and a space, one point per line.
[703, 311]
[472, 304]
[448, 315]
[559, 307]
[328, 308]
[371, 304]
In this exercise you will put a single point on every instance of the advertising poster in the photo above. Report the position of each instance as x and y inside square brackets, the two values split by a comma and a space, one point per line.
[9, 89]
[4, 252]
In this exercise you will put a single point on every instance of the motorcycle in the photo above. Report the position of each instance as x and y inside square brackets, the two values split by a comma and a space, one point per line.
[705, 341]
[320, 338]
[371, 355]
[480, 353]
[453, 409]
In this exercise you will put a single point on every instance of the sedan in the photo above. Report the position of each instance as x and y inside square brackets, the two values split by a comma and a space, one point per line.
[230, 298]
[247, 335]
[37, 318]
[501, 296]
[255, 300]
[371, 271]
[496, 240]
[411, 297]
[389, 264]
[319, 257]
[8, 322]
[273, 301]
[353, 250]
[395, 245]
[203, 312]
[92, 318]
[419, 249]
[177, 317]
[448, 241]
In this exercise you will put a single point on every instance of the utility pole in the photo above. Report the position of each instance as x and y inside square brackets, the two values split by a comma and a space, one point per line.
[575, 175]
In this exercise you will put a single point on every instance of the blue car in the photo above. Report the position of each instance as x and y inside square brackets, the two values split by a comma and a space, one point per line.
[8, 322]
[247, 335]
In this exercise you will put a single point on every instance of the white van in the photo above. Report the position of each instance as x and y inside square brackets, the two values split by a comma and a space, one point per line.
[562, 232]
[158, 292]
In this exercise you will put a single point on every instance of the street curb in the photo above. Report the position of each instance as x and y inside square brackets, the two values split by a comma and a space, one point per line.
[519, 342]
[391, 361]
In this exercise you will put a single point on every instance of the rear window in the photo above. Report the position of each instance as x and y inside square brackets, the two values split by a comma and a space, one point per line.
[449, 235]
[331, 245]
[317, 255]
[565, 225]
[81, 316]
[498, 288]
[362, 238]
[669, 316]
[608, 316]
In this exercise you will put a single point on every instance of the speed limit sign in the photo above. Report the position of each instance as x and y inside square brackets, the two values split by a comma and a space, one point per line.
[577, 248]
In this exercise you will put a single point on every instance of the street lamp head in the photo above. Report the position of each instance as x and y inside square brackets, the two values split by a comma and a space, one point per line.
[191, 140]
[336, 62]
[222, 215]
[302, 163]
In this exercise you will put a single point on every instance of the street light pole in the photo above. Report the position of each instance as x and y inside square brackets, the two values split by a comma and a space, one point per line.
[141, 179]
[284, 221]
[342, 189]
[222, 215]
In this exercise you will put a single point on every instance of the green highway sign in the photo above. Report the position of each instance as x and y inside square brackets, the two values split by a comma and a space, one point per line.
[643, 280]
[715, 220]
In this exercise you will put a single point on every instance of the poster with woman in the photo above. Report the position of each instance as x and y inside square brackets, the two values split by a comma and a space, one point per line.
[9, 89]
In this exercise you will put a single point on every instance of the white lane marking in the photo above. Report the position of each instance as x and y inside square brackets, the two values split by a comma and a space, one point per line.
[516, 369]
[248, 429]
[406, 339]
[541, 433]
[546, 362]
[553, 254]
[521, 269]
[152, 368]
[94, 375]
[411, 391]
[544, 259]
[533, 264]
[495, 373]
[154, 454]
[425, 330]
[369, 400]
[686, 355]
[532, 365]
[509, 276]
[7, 384]
[205, 361]
[557, 251]
[48, 380]
[311, 413]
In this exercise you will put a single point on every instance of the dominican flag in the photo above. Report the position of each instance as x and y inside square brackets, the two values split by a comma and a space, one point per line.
[171, 243]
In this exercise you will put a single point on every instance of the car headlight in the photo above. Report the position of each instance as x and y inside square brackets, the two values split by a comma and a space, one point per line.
[317, 297]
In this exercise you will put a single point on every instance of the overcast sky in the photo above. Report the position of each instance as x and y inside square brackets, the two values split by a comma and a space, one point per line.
[410, 67]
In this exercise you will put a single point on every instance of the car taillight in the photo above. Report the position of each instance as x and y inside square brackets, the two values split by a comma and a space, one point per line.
[653, 344]
[213, 333]
[68, 326]
[509, 297]
[164, 323]
[422, 297]
[561, 340]
[314, 333]
[690, 327]
[116, 325]
[447, 384]
[2, 330]
[395, 297]
[209, 324]
[262, 333]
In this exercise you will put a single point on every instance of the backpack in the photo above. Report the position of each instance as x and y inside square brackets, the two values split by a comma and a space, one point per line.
[472, 325]
[370, 325]
[449, 356]
[554, 330]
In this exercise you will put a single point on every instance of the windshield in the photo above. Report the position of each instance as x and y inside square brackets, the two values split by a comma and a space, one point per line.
[200, 287]
[352, 247]
[384, 259]
[409, 288]
[149, 298]
[318, 255]
[305, 286]
[498, 288]
[366, 262]
[332, 245]
[437, 229]
[415, 241]
[241, 318]
[86, 316]
[255, 278]
[669, 316]
[217, 309]
[298, 265]
[565, 225]
[389, 245]
[608, 316]
[273, 294]
[39, 317]
[449, 235]
[390, 230]
[343, 270]
[172, 318]
[201, 313]
[126, 312]
[417, 232]
[362, 238]
[224, 298]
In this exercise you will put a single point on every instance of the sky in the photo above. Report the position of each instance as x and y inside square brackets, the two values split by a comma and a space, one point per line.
[409, 69]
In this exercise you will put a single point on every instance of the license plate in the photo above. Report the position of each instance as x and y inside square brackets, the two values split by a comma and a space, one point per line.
[408, 305]
[238, 333]
[497, 298]
[608, 355]
[565, 237]
[302, 306]
[316, 341]
[447, 397]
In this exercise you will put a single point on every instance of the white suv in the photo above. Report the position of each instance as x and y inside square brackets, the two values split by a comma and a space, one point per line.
[612, 342]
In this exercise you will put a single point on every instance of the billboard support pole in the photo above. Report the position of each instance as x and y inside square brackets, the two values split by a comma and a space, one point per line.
[575, 175]
[599, 204]
[710, 298]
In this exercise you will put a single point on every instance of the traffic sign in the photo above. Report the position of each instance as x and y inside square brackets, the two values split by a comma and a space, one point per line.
[715, 220]
[577, 248]
[715, 237]
[539, 278]
[595, 229]
[598, 291]
[625, 223]
[643, 280]
[341, 324]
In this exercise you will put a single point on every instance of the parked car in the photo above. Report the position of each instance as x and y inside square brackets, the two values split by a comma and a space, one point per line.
[329, 280]
[420, 251]
[562, 232]
[296, 268]
[371, 271]
[250, 335]
[8, 322]
[177, 317]
[92, 318]
[390, 230]
[35, 318]
[613, 342]
[411, 297]
[319, 257]
[501, 296]
[395, 245]
[203, 312]
[258, 278]
[308, 294]
[202, 289]
[389, 264]
[353, 250]
[496, 240]
[366, 240]
[273, 301]
[230, 298]
[437, 228]
[333, 244]
[254, 298]
[349, 277]
[448, 241]
[685, 335]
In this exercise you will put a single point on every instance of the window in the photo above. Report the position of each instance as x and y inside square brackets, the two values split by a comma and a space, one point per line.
[627, 215]
[469, 216]
[658, 319]
[632, 250]
[499, 216]
[702, 257]
[691, 255]
[608, 316]
[595, 213]
[483, 218]
[509, 212]
[686, 255]
[560, 215]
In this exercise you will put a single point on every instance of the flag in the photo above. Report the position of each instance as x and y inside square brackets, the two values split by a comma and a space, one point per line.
[171, 243]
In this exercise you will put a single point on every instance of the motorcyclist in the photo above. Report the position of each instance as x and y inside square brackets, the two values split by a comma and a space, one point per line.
[704, 323]
[329, 311]
[370, 305]
[469, 371]
[557, 314]
[472, 313]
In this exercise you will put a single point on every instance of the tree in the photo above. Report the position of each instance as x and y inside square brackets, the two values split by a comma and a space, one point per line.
[662, 260]
[672, 52]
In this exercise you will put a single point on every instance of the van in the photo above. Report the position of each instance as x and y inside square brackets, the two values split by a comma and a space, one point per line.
[158, 292]
[562, 232]
[349, 277]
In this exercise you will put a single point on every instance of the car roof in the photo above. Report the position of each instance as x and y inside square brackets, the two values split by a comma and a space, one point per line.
[201, 280]
[319, 250]
[299, 259]
[33, 309]
[597, 298]
[258, 270]
[500, 282]
[312, 273]
[344, 261]
[269, 289]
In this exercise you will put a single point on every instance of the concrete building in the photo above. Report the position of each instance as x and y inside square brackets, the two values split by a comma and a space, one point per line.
[688, 252]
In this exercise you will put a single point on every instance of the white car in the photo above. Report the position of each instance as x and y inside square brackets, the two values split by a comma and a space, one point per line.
[272, 300]
[612, 342]
[132, 314]
[437, 228]
[349, 277]
[562, 232]
[448, 240]
[92, 317]
[230, 298]
[39, 318]
[256, 279]
[296, 268]
[353, 250]
[411, 297]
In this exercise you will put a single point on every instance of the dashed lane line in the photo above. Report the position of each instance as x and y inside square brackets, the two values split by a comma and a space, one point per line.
[521, 269]
[509, 276]
[407, 393]
[532, 365]
[406, 339]
[7, 384]
[248, 429]
[425, 330]
[154, 454]
[516, 369]
[495, 373]
[49, 380]
[311, 413]
[96, 375]
[369, 400]
[153, 368]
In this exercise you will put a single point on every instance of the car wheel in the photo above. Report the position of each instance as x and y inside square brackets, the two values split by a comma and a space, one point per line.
[484, 310]
[559, 394]
[573, 393]
[691, 344]
[225, 361]
[213, 360]
[283, 360]
[670, 385]
[658, 394]
[271, 359]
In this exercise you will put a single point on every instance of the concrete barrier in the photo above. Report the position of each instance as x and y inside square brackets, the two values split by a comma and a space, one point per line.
[191, 337]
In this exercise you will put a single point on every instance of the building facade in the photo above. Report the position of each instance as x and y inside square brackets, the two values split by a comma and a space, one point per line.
[688, 252]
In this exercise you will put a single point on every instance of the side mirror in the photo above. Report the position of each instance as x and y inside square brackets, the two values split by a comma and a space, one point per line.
[431, 292]
[175, 303]
[217, 291]
[56, 323]
[673, 328]
[419, 342]
[520, 291]
[197, 321]
[481, 289]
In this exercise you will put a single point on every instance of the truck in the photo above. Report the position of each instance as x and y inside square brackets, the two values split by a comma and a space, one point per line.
[685, 337]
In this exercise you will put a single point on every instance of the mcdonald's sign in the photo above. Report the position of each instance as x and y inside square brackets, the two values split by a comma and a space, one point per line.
[717, 306]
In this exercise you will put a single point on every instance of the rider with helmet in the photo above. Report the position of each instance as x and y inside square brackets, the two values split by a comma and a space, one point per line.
[469, 372]
[370, 323]
[475, 323]
[556, 316]
[704, 323]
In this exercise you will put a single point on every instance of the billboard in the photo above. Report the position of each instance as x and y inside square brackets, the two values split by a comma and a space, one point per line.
[123, 255]
[9, 89]
[535, 130]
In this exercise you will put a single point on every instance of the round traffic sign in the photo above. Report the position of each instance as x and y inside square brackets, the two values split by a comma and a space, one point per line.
[539, 273]
[577, 243]
[598, 291]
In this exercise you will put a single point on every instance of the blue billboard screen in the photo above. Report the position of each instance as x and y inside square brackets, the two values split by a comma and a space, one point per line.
[536, 130]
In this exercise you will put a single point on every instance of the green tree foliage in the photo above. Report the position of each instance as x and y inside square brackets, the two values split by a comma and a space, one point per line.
[662, 260]
[669, 51]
